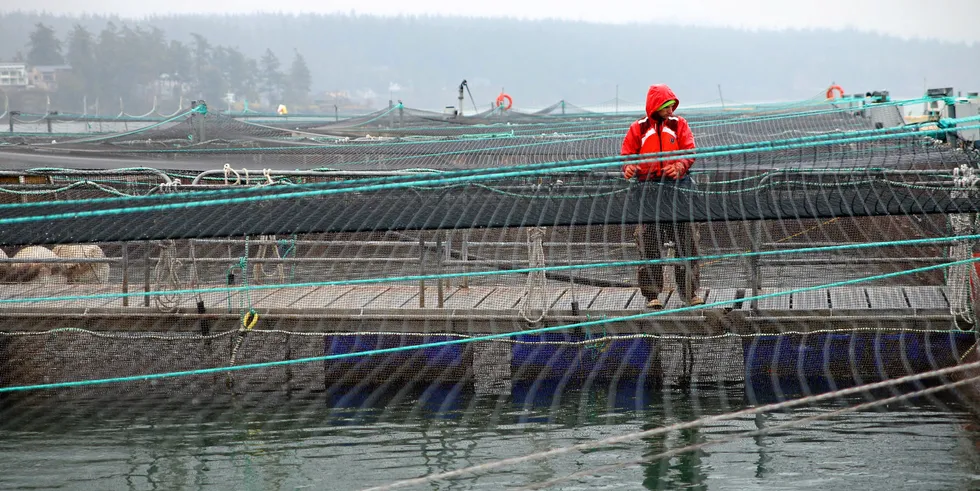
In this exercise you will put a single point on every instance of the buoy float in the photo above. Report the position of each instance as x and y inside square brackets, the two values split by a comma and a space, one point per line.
[501, 98]
[830, 91]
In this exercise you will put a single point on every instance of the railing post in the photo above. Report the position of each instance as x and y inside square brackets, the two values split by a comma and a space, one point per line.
[440, 256]
[146, 273]
[755, 282]
[464, 255]
[421, 269]
[125, 273]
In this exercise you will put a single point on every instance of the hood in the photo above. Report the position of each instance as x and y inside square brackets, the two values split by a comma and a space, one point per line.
[657, 95]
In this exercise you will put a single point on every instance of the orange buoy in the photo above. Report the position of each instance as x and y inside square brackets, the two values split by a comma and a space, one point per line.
[501, 98]
[830, 91]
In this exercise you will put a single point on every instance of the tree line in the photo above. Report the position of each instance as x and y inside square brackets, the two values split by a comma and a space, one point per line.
[136, 64]
[421, 60]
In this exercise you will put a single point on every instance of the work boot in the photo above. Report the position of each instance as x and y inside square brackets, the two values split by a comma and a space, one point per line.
[696, 300]
[655, 304]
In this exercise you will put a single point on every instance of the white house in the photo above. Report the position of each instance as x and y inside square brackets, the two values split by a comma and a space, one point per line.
[14, 75]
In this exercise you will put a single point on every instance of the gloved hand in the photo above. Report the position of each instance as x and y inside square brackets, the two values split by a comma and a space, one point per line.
[675, 170]
[630, 170]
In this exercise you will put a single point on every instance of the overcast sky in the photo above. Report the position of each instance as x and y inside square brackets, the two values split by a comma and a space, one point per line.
[951, 20]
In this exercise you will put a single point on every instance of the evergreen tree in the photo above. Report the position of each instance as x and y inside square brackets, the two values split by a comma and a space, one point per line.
[79, 84]
[44, 48]
[238, 70]
[178, 63]
[300, 80]
[272, 78]
[81, 55]
[110, 66]
[202, 58]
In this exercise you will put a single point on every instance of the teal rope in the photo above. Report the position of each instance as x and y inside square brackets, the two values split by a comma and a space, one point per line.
[290, 245]
[197, 109]
[803, 250]
[442, 139]
[228, 273]
[488, 337]
[530, 170]
[524, 170]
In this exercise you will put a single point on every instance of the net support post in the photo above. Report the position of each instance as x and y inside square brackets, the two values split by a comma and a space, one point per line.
[492, 367]
[440, 292]
[146, 274]
[951, 136]
[755, 282]
[464, 255]
[125, 273]
[421, 270]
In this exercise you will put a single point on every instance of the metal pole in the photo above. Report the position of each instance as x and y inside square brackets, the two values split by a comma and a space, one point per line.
[951, 135]
[440, 293]
[125, 273]
[464, 256]
[755, 284]
[461, 98]
[721, 97]
[200, 127]
[421, 270]
[146, 273]
[617, 98]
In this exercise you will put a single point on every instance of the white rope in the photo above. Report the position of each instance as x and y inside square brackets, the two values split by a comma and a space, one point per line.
[534, 290]
[167, 277]
[259, 270]
[583, 343]
[861, 389]
[228, 170]
[131, 336]
[958, 277]
[169, 187]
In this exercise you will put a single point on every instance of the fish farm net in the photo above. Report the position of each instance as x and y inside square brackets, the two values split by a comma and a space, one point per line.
[814, 246]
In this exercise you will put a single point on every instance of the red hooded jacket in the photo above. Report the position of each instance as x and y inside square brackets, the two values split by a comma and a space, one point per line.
[652, 134]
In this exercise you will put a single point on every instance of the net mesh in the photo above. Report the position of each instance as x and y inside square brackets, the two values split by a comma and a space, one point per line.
[831, 244]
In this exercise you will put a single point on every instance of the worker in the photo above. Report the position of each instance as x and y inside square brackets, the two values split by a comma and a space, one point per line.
[662, 131]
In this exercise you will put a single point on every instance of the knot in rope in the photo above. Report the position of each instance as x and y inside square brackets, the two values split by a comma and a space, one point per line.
[228, 171]
[964, 176]
[169, 187]
[249, 320]
[534, 289]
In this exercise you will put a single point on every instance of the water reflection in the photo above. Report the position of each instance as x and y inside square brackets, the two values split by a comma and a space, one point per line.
[351, 438]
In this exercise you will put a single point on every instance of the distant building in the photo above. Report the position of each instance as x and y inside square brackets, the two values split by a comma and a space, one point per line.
[45, 77]
[14, 75]
[167, 87]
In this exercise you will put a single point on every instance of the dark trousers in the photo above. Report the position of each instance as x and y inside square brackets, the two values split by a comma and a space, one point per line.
[650, 238]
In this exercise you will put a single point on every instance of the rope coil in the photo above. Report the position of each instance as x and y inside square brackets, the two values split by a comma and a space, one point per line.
[167, 275]
[534, 293]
